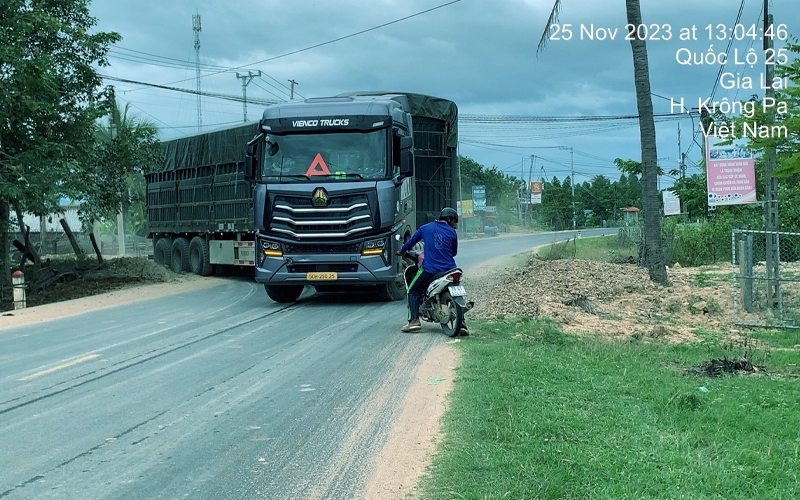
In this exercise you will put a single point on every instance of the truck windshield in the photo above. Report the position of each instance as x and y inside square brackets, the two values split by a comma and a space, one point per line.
[335, 155]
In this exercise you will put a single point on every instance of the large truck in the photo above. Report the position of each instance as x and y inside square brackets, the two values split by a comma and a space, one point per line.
[319, 192]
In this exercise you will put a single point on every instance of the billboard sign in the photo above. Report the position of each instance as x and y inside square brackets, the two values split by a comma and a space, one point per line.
[479, 198]
[536, 192]
[730, 172]
[672, 203]
[466, 208]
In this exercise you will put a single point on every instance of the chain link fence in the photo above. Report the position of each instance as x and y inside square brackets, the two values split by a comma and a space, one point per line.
[764, 297]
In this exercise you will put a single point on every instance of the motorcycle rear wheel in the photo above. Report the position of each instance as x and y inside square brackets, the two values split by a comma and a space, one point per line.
[454, 313]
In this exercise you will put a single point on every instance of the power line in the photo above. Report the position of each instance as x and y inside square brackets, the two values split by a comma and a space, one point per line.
[189, 91]
[473, 118]
[339, 39]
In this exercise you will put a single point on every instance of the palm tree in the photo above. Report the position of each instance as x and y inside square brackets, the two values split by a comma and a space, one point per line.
[127, 143]
[653, 252]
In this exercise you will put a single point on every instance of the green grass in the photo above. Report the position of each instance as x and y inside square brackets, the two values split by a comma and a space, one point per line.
[537, 413]
[600, 248]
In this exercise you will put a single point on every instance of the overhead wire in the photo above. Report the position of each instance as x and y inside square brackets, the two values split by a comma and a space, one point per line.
[351, 35]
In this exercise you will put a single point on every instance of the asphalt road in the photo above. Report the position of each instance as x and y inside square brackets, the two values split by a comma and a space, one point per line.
[217, 393]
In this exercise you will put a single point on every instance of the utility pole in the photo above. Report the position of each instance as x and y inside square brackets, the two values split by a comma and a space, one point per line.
[571, 181]
[197, 29]
[522, 190]
[246, 79]
[291, 89]
[530, 179]
[770, 163]
[681, 155]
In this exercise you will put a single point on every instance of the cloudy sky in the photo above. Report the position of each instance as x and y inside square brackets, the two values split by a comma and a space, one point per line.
[481, 54]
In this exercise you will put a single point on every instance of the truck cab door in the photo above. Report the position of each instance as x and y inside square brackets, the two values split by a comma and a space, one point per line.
[252, 163]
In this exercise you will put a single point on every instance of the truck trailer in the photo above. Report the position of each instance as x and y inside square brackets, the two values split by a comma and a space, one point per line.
[319, 192]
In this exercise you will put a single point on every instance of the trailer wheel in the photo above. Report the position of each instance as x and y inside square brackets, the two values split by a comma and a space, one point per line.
[284, 293]
[199, 257]
[162, 251]
[180, 255]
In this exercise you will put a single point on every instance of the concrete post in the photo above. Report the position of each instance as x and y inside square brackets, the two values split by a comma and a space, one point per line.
[18, 283]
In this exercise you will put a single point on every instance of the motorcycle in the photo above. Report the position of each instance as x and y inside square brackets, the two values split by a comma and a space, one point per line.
[444, 301]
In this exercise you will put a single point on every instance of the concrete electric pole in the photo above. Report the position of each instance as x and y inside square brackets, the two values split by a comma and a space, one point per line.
[571, 180]
[197, 29]
[772, 225]
[245, 81]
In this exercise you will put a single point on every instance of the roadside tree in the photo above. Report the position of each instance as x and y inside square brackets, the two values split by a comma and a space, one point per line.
[52, 95]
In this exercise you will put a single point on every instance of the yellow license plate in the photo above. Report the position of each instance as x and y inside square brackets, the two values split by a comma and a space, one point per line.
[321, 276]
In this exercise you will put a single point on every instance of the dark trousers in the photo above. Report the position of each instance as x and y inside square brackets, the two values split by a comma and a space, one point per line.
[416, 291]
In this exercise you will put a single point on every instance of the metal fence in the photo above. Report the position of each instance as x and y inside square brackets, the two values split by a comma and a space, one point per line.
[762, 296]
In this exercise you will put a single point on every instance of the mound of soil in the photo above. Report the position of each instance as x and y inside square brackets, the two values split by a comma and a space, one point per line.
[605, 298]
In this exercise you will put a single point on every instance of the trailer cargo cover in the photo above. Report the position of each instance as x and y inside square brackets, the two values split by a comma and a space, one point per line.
[424, 105]
[210, 148]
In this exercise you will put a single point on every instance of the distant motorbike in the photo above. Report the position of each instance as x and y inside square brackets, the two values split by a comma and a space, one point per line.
[444, 301]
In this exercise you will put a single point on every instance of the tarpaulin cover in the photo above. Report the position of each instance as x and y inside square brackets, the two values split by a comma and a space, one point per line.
[427, 106]
[209, 148]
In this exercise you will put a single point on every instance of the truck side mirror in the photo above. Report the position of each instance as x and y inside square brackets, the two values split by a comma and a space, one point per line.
[406, 147]
[406, 163]
[252, 168]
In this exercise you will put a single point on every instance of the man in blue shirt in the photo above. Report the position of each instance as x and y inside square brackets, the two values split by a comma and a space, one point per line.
[441, 246]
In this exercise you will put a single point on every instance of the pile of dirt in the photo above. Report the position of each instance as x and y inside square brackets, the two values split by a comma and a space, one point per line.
[63, 279]
[605, 298]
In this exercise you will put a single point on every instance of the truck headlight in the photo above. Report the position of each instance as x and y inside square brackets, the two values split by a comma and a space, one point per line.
[271, 248]
[374, 247]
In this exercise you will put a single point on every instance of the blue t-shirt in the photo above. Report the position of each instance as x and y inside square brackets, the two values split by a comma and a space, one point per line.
[441, 245]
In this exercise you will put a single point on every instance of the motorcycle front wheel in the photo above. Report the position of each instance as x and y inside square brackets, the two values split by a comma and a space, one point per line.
[453, 312]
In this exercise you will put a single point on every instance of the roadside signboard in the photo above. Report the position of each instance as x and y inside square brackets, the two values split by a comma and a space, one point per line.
[730, 172]
[478, 198]
[672, 204]
[466, 208]
[536, 192]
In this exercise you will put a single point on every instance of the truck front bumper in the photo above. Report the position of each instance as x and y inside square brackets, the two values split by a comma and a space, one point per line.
[346, 269]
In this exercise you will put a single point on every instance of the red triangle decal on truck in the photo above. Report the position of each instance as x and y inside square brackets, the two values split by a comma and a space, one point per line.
[318, 167]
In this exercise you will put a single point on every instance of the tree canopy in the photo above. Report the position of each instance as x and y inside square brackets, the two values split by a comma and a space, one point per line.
[52, 95]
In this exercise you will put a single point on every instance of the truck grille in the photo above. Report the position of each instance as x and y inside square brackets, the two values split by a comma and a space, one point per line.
[345, 216]
[318, 249]
[332, 268]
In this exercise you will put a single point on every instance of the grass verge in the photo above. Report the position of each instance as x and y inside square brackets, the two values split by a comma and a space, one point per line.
[537, 413]
[599, 248]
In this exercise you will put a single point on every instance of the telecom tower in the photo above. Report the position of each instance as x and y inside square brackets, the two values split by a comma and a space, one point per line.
[197, 30]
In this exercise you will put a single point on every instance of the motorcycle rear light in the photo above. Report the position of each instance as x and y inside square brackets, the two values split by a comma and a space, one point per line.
[455, 277]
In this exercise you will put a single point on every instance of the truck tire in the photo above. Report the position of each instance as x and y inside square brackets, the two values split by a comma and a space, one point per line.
[180, 255]
[392, 291]
[162, 251]
[199, 257]
[284, 293]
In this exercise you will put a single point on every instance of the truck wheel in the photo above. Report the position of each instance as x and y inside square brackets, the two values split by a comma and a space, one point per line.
[199, 257]
[284, 293]
[392, 291]
[162, 252]
[180, 255]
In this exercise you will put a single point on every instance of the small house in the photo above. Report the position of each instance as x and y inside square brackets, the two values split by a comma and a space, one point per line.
[630, 215]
